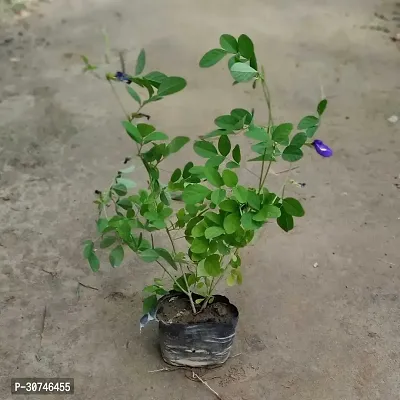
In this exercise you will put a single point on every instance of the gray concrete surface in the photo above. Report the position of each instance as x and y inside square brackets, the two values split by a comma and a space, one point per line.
[325, 333]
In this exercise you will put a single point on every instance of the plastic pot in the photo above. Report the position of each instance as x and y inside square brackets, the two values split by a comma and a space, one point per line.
[197, 344]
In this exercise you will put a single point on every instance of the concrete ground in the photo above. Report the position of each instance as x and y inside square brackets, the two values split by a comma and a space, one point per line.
[330, 332]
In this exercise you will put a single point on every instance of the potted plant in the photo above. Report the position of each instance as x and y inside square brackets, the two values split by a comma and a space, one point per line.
[204, 206]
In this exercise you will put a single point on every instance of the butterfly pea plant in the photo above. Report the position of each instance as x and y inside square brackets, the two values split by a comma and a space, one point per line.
[205, 204]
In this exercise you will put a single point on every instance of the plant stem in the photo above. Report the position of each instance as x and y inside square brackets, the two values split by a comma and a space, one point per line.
[189, 293]
[267, 98]
[171, 276]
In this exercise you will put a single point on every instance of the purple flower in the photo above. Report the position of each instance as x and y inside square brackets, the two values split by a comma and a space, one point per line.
[322, 149]
[122, 77]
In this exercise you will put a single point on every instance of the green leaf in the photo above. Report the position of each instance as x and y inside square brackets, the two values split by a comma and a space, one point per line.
[155, 136]
[199, 229]
[166, 255]
[241, 113]
[293, 207]
[230, 178]
[224, 145]
[212, 265]
[94, 262]
[236, 154]
[176, 175]
[197, 170]
[285, 221]
[231, 223]
[149, 304]
[128, 183]
[171, 85]
[213, 232]
[246, 46]
[212, 57]
[129, 212]
[149, 255]
[116, 256]
[232, 164]
[107, 242]
[133, 94]
[243, 72]
[229, 43]
[233, 60]
[186, 170]
[248, 223]
[213, 176]
[257, 133]
[281, 133]
[215, 161]
[132, 131]
[217, 196]
[299, 139]
[145, 129]
[231, 279]
[120, 189]
[102, 224]
[199, 245]
[195, 193]
[155, 78]
[88, 249]
[229, 205]
[213, 217]
[308, 122]
[177, 143]
[267, 211]
[322, 106]
[311, 131]
[216, 133]
[253, 199]
[226, 122]
[204, 149]
[140, 63]
[292, 154]
[240, 193]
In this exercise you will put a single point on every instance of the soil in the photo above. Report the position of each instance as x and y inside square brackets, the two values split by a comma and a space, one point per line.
[304, 333]
[179, 311]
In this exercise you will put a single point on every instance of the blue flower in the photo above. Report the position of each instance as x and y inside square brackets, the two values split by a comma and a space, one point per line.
[322, 149]
[122, 77]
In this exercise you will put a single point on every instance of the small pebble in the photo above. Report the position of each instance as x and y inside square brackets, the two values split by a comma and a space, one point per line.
[315, 265]
[393, 119]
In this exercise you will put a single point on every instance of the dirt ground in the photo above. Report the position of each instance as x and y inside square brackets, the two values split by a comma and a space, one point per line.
[329, 332]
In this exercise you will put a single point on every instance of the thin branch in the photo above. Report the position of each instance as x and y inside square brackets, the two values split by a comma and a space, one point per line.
[207, 385]
[87, 286]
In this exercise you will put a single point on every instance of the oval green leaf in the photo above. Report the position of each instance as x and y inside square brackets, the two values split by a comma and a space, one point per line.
[213, 232]
[230, 178]
[171, 85]
[224, 145]
[231, 223]
[243, 72]
[212, 265]
[229, 43]
[204, 149]
[195, 193]
[117, 256]
[299, 139]
[285, 221]
[292, 154]
[218, 196]
[293, 207]
[212, 57]
[133, 94]
[246, 46]
[141, 62]
[308, 122]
